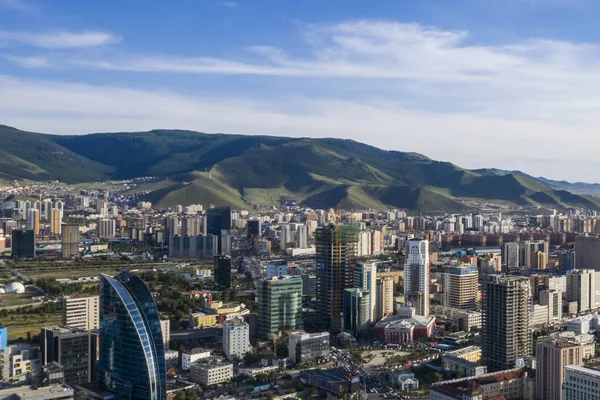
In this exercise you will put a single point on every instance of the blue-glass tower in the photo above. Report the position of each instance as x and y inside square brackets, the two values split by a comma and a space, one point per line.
[131, 361]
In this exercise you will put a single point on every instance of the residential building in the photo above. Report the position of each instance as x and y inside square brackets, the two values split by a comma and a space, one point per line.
[365, 277]
[279, 305]
[74, 349]
[223, 271]
[33, 221]
[55, 221]
[553, 299]
[587, 252]
[211, 374]
[528, 252]
[505, 333]
[106, 228]
[81, 312]
[165, 327]
[23, 243]
[385, 297]
[132, 356]
[189, 357]
[581, 383]
[582, 288]
[308, 347]
[193, 246]
[461, 287]
[20, 363]
[416, 275]
[357, 311]
[335, 254]
[553, 354]
[236, 338]
[69, 243]
[510, 256]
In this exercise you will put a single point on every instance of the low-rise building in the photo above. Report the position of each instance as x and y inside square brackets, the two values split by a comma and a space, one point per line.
[404, 380]
[405, 327]
[20, 362]
[462, 368]
[199, 319]
[54, 392]
[334, 381]
[308, 347]
[211, 373]
[470, 353]
[584, 324]
[189, 357]
[171, 358]
[581, 383]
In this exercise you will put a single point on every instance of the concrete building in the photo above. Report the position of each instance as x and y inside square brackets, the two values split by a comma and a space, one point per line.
[587, 252]
[106, 228]
[528, 252]
[357, 311]
[276, 270]
[81, 312]
[189, 357]
[309, 285]
[279, 305]
[385, 298]
[365, 277]
[54, 392]
[335, 254]
[193, 246]
[416, 275]
[165, 327]
[505, 333]
[308, 347]
[581, 383]
[553, 354]
[33, 221]
[69, 243]
[20, 363]
[56, 221]
[553, 299]
[510, 256]
[583, 289]
[461, 287]
[236, 338]
[211, 374]
[171, 358]
[74, 349]
[405, 327]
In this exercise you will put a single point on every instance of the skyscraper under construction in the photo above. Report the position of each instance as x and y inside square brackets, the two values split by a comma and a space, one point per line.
[336, 250]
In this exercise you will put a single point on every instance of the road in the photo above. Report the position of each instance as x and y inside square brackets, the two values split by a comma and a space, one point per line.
[351, 366]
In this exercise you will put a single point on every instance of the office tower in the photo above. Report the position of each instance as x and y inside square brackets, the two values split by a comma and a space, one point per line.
[385, 297]
[308, 347]
[279, 305]
[106, 228]
[510, 256]
[81, 312]
[582, 288]
[505, 334]
[416, 275]
[23, 243]
[553, 354]
[20, 363]
[357, 311]
[131, 361]
[70, 240]
[33, 220]
[309, 285]
[336, 250]
[253, 228]
[553, 299]
[365, 277]
[74, 349]
[587, 252]
[580, 383]
[302, 237]
[223, 271]
[528, 252]
[236, 338]
[218, 219]
[461, 287]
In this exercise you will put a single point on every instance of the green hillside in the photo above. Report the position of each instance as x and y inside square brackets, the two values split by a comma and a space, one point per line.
[243, 170]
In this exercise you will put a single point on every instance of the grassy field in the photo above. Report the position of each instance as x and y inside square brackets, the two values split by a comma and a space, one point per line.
[11, 300]
[74, 270]
[19, 325]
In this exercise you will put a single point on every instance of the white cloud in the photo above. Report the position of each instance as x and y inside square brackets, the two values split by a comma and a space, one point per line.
[29, 62]
[230, 4]
[59, 40]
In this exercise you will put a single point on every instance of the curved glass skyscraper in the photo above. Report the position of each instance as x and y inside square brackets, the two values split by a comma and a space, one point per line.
[132, 360]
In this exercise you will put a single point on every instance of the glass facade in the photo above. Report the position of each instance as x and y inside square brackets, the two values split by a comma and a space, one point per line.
[279, 306]
[132, 360]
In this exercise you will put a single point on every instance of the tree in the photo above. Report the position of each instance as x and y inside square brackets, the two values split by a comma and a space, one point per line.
[281, 349]
[186, 394]
[250, 358]
[269, 396]
[226, 295]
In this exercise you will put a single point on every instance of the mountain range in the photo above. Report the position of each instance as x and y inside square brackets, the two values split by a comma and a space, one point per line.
[240, 170]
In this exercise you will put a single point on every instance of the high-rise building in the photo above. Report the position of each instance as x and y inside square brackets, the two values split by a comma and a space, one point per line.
[587, 252]
[217, 220]
[302, 237]
[193, 246]
[528, 252]
[553, 354]
[106, 228]
[286, 238]
[81, 312]
[223, 271]
[55, 221]
[385, 297]
[191, 226]
[253, 228]
[33, 220]
[580, 383]
[510, 256]
[365, 277]
[279, 305]
[553, 299]
[23, 243]
[236, 338]
[357, 311]
[70, 240]
[505, 333]
[461, 288]
[74, 349]
[416, 275]
[581, 288]
[131, 361]
[336, 251]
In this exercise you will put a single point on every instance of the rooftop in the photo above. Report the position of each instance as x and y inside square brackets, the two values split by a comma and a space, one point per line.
[34, 392]
[584, 370]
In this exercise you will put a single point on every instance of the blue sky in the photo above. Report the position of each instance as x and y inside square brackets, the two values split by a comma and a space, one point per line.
[509, 84]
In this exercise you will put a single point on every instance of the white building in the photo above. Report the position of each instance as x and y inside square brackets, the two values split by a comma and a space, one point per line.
[236, 338]
[106, 228]
[82, 312]
[54, 392]
[171, 358]
[165, 326]
[20, 362]
[302, 236]
[583, 324]
[385, 297]
[363, 247]
[416, 275]
[190, 357]
[581, 383]
[211, 374]
[365, 277]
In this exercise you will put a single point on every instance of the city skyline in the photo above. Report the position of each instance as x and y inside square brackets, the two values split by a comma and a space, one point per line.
[488, 76]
